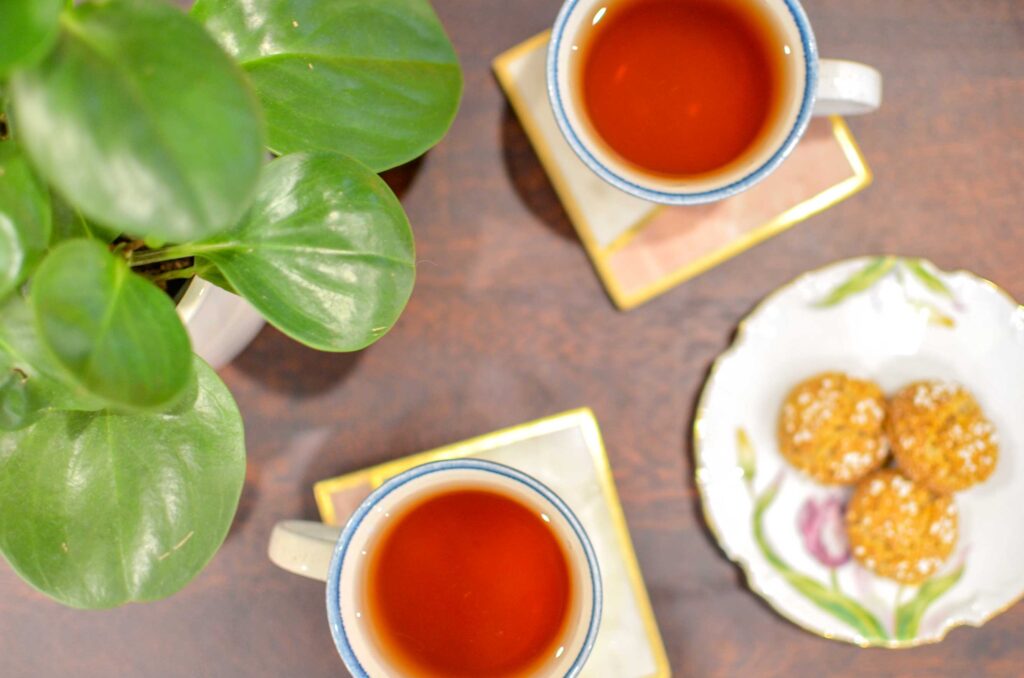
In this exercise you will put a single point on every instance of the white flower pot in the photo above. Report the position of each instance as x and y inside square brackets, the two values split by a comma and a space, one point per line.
[219, 323]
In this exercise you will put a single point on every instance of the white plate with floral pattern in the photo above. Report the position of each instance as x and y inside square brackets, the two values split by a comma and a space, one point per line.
[893, 320]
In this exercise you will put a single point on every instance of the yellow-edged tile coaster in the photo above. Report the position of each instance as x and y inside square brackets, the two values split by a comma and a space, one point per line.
[640, 249]
[566, 453]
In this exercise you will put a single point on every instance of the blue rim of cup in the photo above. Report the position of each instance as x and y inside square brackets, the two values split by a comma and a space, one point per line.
[334, 572]
[683, 197]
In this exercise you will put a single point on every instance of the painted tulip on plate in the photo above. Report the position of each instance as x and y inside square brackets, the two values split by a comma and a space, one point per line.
[822, 530]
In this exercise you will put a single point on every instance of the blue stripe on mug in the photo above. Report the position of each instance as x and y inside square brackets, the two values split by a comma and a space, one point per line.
[341, 548]
[682, 197]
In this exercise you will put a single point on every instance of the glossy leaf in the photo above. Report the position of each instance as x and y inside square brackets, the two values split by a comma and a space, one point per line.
[325, 254]
[18, 405]
[24, 218]
[26, 396]
[98, 509]
[862, 280]
[910, 613]
[141, 121]
[30, 382]
[68, 223]
[154, 243]
[27, 29]
[117, 334]
[377, 80]
[209, 273]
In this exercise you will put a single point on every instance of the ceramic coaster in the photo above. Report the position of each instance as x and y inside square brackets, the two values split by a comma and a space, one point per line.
[566, 453]
[895, 321]
[640, 249]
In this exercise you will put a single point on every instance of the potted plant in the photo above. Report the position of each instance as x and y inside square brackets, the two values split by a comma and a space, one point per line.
[133, 145]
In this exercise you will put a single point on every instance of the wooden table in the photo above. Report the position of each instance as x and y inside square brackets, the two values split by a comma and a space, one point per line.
[509, 323]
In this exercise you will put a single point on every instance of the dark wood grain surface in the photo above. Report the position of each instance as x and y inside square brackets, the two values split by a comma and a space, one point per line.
[508, 323]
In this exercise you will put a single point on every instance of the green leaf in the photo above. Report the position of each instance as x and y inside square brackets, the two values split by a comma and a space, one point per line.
[325, 254]
[830, 600]
[928, 279]
[141, 121]
[377, 80]
[27, 31]
[117, 334]
[155, 243]
[99, 509]
[68, 223]
[208, 272]
[19, 405]
[860, 281]
[24, 218]
[910, 613]
[32, 382]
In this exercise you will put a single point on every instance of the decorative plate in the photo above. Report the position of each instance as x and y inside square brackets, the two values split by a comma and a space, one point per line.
[893, 320]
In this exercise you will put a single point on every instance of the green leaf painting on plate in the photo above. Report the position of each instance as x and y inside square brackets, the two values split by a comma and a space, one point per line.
[919, 270]
[377, 80]
[325, 254]
[116, 333]
[99, 509]
[860, 281]
[879, 268]
[162, 145]
[745, 456]
[27, 29]
[24, 218]
[910, 613]
[829, 597]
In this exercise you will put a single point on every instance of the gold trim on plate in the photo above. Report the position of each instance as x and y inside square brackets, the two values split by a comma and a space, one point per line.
[584, 420]
[701, 473]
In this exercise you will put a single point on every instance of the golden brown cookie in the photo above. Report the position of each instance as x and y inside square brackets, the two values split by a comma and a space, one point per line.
[940, 437]
[900, 529]
[831, 428]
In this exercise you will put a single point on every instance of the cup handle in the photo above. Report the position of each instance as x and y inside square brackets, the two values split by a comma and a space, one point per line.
[303, 547]
[847, 88]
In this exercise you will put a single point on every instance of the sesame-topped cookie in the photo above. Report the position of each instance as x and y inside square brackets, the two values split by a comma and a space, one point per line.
[832, 428]
[940, 436]
[900, 529]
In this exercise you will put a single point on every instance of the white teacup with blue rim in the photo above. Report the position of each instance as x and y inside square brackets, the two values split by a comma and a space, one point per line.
[343, 558]
[808, 86]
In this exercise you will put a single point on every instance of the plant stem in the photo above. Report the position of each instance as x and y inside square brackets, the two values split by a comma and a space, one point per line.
[176, 274]
[834, 579]
[161, 255]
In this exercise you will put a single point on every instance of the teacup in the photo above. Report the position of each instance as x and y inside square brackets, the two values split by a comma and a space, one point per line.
[343, 559]
[807, 86]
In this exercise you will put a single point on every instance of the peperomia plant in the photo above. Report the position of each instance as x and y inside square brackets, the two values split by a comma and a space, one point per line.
[134, 140]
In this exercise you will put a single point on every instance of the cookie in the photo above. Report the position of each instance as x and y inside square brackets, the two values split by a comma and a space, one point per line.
[940, 437]
[832, 428]
[900, 529]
